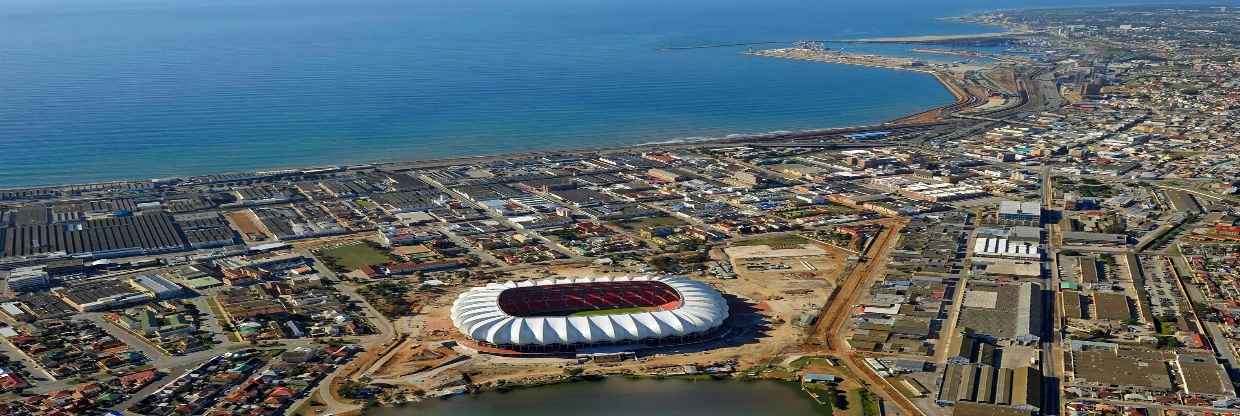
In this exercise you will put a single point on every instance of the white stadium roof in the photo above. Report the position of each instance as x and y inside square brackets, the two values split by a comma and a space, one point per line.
[477, 313]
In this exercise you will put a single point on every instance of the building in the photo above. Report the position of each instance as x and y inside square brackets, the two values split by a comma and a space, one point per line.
[981, 389]
[1020, 212]
[1095, 239]
[159, 287]
[1104, 365]
[1007, 268]
[154, 325]
[15, 311]
[1112, 306]
[1203, 376]
[749, 179]
[933, 191]
[570, 313]
[103, 294]
[109, 237]
[1003, 311]
[27, 279]
[1007, 249]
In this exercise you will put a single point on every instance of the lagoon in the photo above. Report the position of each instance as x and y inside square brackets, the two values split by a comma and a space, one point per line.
[616, 396]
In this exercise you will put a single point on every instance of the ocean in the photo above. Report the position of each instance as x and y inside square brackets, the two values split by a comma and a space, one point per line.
[96, 90]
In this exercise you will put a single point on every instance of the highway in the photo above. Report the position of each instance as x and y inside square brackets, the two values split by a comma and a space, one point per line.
[1052, 352]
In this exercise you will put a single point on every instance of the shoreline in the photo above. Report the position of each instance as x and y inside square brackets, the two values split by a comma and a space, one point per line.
[404, 164]
[452, 160]
[28, 183]
[517, 386]
[959, 95]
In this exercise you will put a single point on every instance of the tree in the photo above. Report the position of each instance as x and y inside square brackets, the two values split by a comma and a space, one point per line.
[837, 397]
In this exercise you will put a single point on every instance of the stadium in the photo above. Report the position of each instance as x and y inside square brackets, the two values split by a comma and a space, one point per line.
[568, 314]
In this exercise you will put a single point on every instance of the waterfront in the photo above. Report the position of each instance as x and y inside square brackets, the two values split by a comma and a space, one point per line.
[619, 396]
[97, 91]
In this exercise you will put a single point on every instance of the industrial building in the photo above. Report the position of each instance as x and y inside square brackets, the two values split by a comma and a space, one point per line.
[1020, 212]
[1003, 311]
[1007, 249]
[26, 279]
[158, 286]
[102, 294]
[1113, 367]
[980, 389]
[1092, 238]
[99, 238]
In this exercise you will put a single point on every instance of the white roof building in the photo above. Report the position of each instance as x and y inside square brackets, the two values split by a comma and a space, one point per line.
[540, 312]
[1009, 249]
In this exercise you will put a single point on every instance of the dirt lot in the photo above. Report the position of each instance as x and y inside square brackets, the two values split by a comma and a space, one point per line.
[791, 282]
[246, 222]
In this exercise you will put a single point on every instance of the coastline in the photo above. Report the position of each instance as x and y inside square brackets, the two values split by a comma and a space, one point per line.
[672, 143]
[400, 133]
[437, 162]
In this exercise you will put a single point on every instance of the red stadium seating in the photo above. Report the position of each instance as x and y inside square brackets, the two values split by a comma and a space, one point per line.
[560, 300]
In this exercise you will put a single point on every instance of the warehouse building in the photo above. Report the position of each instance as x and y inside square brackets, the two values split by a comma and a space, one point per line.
[99, 238]
[981, 389]
[26, 279]
[1020, 212]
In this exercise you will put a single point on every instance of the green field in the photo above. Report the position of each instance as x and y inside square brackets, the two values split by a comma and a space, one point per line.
[613, 311]
[354, 256]
[868, 405]
[801, 363]
[1166, 328]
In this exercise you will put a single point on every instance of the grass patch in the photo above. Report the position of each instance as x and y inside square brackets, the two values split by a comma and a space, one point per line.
[354, 256]
[803, 362]
[775, 242]
[365, 203]
[1166, 328]
[869, 404]
[612, 311]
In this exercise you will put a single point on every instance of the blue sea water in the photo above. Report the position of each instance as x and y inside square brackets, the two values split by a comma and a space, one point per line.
[94, 90]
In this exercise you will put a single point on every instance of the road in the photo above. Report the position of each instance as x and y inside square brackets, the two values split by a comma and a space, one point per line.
[831, 327]
[1052, 353]
[387, 334]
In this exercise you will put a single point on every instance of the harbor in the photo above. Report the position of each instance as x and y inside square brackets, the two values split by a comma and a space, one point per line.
[971, 92]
